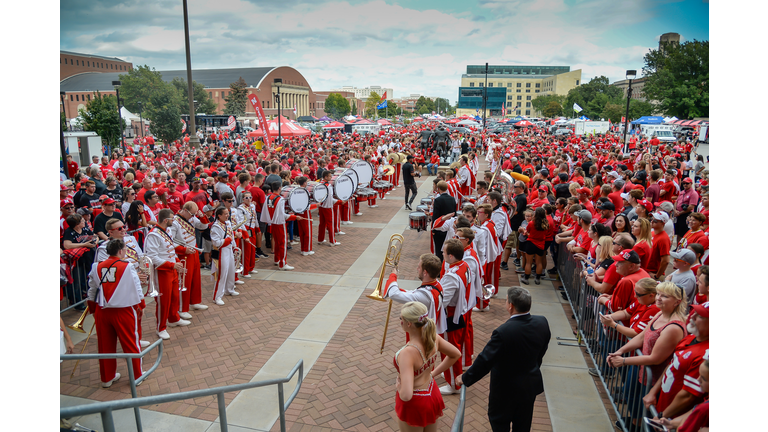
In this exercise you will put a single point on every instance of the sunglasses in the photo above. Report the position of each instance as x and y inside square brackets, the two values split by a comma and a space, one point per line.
[638, 295]
[122, 228]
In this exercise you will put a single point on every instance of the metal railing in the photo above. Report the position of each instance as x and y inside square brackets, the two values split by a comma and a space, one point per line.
[107, 408]
[129, 360]
[622, 385]
[458, 421]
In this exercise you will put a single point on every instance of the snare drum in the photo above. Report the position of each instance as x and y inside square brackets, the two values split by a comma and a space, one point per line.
[343, 186]
[364, 194]
[422, 208]
[363, 169]
[418, 221]
[426, 201]
[296, 198]
[380, 186]
[317, 191]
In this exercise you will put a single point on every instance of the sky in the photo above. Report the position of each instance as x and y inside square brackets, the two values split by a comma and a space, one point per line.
[411, 46]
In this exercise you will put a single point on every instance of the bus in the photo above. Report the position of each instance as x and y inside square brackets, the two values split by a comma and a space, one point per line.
[213, 123]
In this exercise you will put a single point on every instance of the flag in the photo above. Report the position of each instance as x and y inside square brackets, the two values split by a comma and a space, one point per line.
[262, 118]
[577, 108]
[383, 97]
[503, 110]
[382, 105]
[623, 119]
[294, 110]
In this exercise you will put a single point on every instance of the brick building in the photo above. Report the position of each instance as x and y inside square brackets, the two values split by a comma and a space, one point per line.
[71, 63]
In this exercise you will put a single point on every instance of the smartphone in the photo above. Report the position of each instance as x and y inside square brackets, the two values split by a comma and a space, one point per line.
[655, 425]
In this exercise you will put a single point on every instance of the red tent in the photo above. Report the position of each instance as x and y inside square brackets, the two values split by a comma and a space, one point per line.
[384, 122]
[287, 129]
[334, 125]
[453, 121]
[418, 119]
[465, 116]
[523, 123]
[363, 121]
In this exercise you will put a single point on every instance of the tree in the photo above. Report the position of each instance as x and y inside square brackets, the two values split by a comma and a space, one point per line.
[592, 97]
[336, 105]
[353, 108]
[424, 106]
[63, 122]
[677, 77]
[236, 100]
[100, 116]
[371, 103]
[639, 108]
[138, 85]
[164, 115]
[205, 104]
[540, 103]
[613, 112]
[443, 105]
[553, 109]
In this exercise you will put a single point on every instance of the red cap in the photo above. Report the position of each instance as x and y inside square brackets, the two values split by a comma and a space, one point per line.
[704, 183]
[157, 175]
[172, 182]
[701, 310]
[108, 201]
[63, 187]
[647, 204]
[543, 189]
[64, 202]
[585, 190]
[687, 180]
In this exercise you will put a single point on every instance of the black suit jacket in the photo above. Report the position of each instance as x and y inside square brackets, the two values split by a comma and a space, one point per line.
[443, 205]
[513, 356]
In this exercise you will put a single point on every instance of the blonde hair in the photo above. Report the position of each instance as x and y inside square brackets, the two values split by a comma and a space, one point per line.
[675, 291]
[645, 230]
[415, 313]
[606, 244]
[648, 285]
[572, 188]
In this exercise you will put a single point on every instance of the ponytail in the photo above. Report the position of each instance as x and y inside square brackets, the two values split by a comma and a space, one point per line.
[428, 335]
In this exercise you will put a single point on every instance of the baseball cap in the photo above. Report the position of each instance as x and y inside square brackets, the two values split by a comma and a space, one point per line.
[83, 211]
[687, 180]
[606, 205]
[627, 255]
[409, 157]
[543, 189]
[544, 172]
[614, 174]
[647, 204]
[64, 202]
[619, 183]
[585, 191]
[661, 216]
[701, 310]
[207, 208]
[625, 196]
[103, 197]
[171, 182]
[585, 215]
[563, 177]
[221, 174]
[63, 187]
[686, 255]
[195, 179]
[157, 175]
[108, 201]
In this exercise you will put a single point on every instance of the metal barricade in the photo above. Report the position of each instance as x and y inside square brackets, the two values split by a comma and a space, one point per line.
[128, 358]
[622, 385]
[458, 421]
[106, 408]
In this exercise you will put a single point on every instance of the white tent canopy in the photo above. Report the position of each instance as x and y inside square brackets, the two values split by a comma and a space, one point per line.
[468, 123]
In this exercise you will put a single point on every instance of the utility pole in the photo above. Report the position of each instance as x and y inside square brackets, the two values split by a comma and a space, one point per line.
[194, 141]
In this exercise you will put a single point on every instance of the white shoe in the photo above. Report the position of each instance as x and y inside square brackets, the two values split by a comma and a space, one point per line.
[350, 222]
[219, 302]
[322, 242]
[246, 276]
[274, 263]
[239, 282]
[381, 198]
[179, 323]
[164, 335]
[254, 271]
[475, 309]
[185, 315]
[340, 233]
[306, 253]
[448, 390]
[108, 384]
[387, 194]
[233, 293]
[144, 344]
[402, 186]
[199, 306]
[311, 252]
[335, 244]
[359, 214]
[294, 242]
[286, 267]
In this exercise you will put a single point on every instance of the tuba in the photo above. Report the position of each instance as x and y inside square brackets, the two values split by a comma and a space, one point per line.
[391, 259]
[146, 267]
[238, 254]
[507, 184]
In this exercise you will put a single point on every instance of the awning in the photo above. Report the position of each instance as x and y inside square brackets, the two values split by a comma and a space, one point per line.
[334, 125]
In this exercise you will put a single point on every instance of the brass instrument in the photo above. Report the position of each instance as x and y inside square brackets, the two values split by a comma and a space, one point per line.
[183, 272]
[186, 245]
[488, 292]
[78, 325]
[146, 267]
[388, 170]
[237, 253]
[401, 157]
[392, 258]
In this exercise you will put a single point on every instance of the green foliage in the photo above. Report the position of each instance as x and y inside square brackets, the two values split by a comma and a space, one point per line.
[353, 109]
[592, 97]
[445, 106]
[553, 109]
[336, 105]
[63, 122]
[540, 103]
[138, 85]
[236, 100]
[424, 106]
[164, 115]
[678, 79]
[205, 104]
[371, 102]
[638, 109]
[613, 112]
[101, 116]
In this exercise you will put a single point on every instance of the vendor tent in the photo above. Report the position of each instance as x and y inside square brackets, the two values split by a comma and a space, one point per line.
[467, 123]
[325, 118]
[649, 120]
[384, 122]
[334, 125]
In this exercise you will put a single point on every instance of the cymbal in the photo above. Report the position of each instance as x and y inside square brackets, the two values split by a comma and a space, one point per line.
[456, 164]
[389, 169]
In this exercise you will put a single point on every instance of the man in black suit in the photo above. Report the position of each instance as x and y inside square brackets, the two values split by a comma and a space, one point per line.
[513, 356]
[443, 205]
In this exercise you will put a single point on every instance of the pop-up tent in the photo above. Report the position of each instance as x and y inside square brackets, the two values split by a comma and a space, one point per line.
[649, 120]
[334, 125]
[325, 118]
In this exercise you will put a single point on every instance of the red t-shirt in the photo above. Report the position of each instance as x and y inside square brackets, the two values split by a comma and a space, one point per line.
[617, 201]
[259, 197]
[611, 278]
[200, 198]
[535, 236]
[683, 373]
[694, 237]
[670, 189]
[643, 249]
[583, 240]
[174, 201]
[660, 249]
[641, 315]
[624, 293]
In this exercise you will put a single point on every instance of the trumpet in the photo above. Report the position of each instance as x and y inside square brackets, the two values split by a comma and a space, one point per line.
[392, 258]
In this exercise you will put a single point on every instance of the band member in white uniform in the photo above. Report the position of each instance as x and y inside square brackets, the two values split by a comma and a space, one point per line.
[251, 234]
[430, 293]
[223, 241]
[186, 221]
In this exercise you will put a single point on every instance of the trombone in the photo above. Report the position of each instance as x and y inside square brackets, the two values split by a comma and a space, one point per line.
[391, 259]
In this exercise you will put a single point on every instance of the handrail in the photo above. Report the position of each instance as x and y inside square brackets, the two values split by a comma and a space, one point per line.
[128, 359]
[106, 408]
[458, 422]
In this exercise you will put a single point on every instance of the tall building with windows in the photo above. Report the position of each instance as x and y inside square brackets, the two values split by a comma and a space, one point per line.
[364, 93]
[511, 89]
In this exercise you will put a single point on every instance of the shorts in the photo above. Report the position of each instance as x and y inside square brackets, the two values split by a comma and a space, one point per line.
[531, 249]
[206, 246]
[512, 240]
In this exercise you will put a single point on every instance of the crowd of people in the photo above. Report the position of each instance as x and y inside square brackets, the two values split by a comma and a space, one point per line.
[626, 216]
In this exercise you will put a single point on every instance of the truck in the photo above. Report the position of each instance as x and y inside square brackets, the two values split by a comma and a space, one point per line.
[591, 127]
[650, 129]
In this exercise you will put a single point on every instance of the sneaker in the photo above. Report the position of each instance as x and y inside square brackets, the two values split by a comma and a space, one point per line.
[373, 206]
[199, 306]
[179, 323]
[448, 390]
[516, 262]
[323, 242]
[286, 267]
[305, 254]
[239, 282]
[262, 254]
[524, 279]
[311, 252]
[504, 266]
[254, 271]
[144, 344]
[593, 372]
[274, 263]
[340, 233]
[519, 270]
[552, 271]
[108, 384]
[408, 207]
[246, 276]
[334, 244]
[289, 247]
[164, 335]
[350, 222]
[185, 315]
[219, 302]
[294, 242]
[537, 279]
[233, 293]
[360, 213]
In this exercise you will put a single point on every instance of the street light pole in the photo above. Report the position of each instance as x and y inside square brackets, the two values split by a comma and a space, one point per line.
[62, 145]
[485, 95]
[631, 74]
[194, 141]
[278, 81]
[116, 85]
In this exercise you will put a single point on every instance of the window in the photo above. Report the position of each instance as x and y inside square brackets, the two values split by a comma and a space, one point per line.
[89, 98]
[89, 64]
[210, 94]
[71, 98]
[78, 62]
[527, 112]
[518, 91]
[481, 84]
[527, 90]
[538, 85]
[490, 84]
[527, 98]
[577, 82]
[77, 98]
[111, 66]
[509, 84]
[471, 84]
[519, 85]
[519, 97]
[527, 104]
[65, 61]
[537, 91]
[527, 85]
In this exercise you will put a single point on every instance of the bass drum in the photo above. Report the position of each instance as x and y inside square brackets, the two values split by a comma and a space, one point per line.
[343, 186]
[363, 169]
[317, 191]
[296, 198]
[349, 173]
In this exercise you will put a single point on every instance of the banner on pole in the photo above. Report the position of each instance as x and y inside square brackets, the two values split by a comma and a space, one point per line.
[183, 126]
[577, 108]
[262, 118]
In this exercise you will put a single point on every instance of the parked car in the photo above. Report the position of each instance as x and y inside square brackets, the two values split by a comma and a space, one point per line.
[459, 129]
[563, 131]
